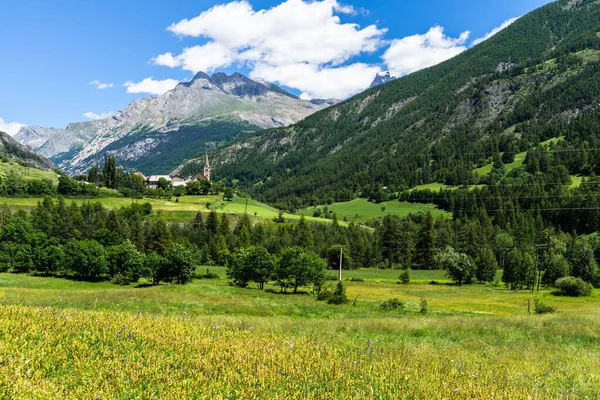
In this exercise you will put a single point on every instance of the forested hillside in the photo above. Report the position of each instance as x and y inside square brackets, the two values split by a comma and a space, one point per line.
[534, 81]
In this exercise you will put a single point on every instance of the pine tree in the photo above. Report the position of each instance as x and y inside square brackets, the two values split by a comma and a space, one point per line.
[425, 247]
[109, 172]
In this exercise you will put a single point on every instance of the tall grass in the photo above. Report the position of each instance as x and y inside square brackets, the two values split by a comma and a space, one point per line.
[71, 354]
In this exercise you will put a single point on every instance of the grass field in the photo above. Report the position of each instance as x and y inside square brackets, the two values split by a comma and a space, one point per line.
[436, 187]
[28, 173]
[518, 161]
[361, 210]
[62, 339]
[188, 206]
[184, 209]
[576, 181]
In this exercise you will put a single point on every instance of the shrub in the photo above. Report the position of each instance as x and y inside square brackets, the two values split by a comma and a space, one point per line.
[393, 304]
[541, 308]
[574, 287]
[207, 275]
[323, 294]
[404, 277]
[338, 296]
[356, 279]
[424, 307]
[119, 279]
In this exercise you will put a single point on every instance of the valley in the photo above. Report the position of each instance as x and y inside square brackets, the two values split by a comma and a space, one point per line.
[432, 235]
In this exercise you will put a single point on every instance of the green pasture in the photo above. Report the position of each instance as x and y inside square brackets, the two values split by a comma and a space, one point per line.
[216, 297]
[27, 172]
[436, 187]
[65, 339]
[361, 210]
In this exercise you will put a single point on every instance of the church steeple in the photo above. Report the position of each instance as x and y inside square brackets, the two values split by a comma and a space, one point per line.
[206, 168]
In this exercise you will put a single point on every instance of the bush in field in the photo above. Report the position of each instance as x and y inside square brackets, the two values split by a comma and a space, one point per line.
[337, 296]
[541, 308]
[424, 306]
[574, 287]
[393, 304]
[404, 277]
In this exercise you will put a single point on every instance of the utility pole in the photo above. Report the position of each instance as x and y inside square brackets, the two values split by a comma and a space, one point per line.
[537, 273]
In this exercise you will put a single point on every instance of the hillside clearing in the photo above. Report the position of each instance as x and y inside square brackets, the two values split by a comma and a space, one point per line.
[27, 172]
[362, 210]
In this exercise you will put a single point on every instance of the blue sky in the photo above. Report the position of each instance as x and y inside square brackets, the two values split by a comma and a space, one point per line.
[53, 50]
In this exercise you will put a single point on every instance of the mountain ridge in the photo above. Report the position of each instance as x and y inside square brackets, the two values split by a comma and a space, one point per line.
[234, 101]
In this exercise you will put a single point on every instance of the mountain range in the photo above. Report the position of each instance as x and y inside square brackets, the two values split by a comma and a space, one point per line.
[522, 86]
[155, 134]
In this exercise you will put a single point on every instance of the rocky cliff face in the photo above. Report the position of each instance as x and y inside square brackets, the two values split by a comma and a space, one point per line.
[197, 108]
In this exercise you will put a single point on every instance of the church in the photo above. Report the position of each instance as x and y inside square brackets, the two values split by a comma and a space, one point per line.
[202, 176]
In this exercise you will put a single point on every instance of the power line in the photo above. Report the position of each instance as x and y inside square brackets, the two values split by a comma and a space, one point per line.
[507, 198]
[531, 209]
[514, 185]
[492, 153]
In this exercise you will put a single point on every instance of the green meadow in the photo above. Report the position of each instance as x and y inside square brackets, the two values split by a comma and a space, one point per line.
[362, 210]
[172, 210]
[65, 339]
[27, 172]
[184, 208]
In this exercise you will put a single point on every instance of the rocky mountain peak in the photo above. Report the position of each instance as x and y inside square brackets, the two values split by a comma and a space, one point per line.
[238, 85]
[381, 78]
[201, 75]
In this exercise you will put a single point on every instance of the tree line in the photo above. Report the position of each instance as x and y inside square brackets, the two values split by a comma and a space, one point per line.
[88, 241]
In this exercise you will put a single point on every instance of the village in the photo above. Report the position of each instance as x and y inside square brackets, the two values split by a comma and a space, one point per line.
[176, 180]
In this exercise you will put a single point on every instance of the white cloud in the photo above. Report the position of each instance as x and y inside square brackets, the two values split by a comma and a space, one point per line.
[345, 9]
[297, 35]
[93, 115]
[149, 85]
[100, 85]
[413, 53]
[315, 82]
[199, 58]
[494, 31]
[10, 127]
